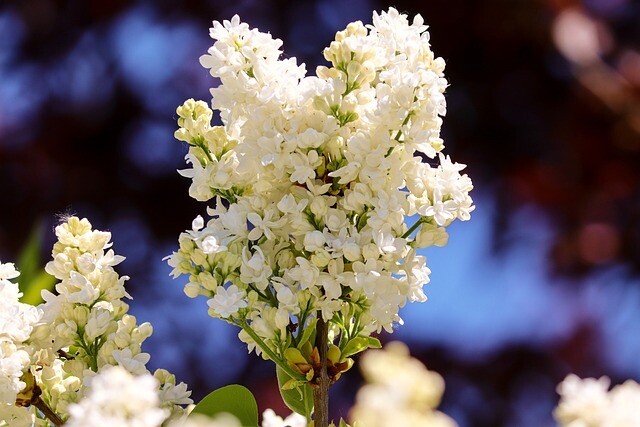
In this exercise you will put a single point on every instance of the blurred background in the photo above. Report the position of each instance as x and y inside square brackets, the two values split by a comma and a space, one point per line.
[544, 107]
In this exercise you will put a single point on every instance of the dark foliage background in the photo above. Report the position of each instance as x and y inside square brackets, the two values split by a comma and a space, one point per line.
[544, 107]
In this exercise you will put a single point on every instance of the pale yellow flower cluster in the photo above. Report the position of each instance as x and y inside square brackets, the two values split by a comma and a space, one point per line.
[400, 391]
[80, 331]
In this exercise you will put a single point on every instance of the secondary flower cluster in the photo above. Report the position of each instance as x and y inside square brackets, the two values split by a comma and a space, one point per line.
[589, 403]
[117, 398]
[315, 179]
[16, 324]
[399, 391]
[77, 333]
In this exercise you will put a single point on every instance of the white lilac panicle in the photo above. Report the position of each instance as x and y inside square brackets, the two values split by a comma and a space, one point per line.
[399, 390]
[87, 327]
[314, 180]
[589, 403]
[17, 321]
[117, 398]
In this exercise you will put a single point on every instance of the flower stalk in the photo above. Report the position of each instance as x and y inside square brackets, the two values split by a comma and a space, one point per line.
[321, 390]
[47, 411]
[31, 396]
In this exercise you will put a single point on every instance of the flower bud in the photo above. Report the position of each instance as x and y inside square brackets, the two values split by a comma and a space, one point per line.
[351, 251]
[286, 259]
[370, 251]
[282, 318]
[314, 241]
[199, 257]
[319, 206]
[80, 315]
[97, 323]
[321, 258]
[207, 281]
[192, 290]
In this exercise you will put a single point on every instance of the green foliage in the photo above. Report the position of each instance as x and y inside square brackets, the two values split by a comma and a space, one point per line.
[33, 279]
[233, 399]
[309, 332]
[359, 344]
[297, 396]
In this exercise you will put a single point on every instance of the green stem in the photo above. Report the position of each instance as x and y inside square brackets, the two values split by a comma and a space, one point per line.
[204, 148]
[93, 358]
[263, 346]
[404, 122]
[270, 299]
[413, 228]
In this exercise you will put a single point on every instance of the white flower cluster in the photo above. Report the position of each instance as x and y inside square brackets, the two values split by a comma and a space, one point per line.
[52, 352]
[119, 399]
[399, 391]
[17, 320]
[87, 320]
[315, 179]
[589, 403]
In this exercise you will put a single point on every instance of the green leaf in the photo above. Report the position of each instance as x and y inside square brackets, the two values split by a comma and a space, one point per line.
[374, 342]
[233, 399]
[33, 279]
[299, 399]
[359, 344]
[308, 331]
[33, 292]
[343, 423]
[29, 259]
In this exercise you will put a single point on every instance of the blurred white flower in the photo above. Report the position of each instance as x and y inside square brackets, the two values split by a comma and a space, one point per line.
[589, 403]
[119, 399]
[399, 391]
[271, 419]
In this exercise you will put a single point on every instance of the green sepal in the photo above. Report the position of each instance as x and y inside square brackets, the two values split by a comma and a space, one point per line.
[298, 399]
[233, 399]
